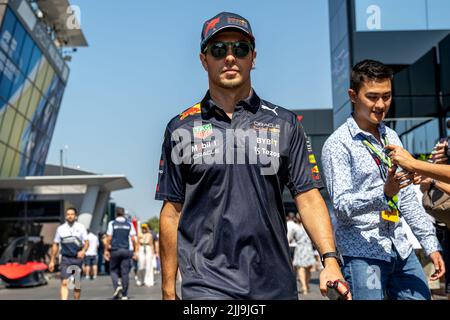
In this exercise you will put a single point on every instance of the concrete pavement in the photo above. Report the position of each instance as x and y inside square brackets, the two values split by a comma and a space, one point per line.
[101, 289]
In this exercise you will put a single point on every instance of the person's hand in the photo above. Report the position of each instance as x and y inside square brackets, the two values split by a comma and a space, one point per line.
[439, 265]
[418, 179]
[51, 266]
[439, 154]
[106, 255]
[397, 181]
[331, 272]
[169, 295]
[135, 256]
[401, 157]
[425, 184]
[81, 254]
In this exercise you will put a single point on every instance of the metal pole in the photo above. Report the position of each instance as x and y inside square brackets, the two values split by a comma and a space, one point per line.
[61, 167]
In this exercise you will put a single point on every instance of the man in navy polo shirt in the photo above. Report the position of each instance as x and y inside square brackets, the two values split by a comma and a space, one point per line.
[224, 164]
[120, 248]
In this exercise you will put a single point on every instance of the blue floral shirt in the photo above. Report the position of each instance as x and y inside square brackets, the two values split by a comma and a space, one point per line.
[356, 188]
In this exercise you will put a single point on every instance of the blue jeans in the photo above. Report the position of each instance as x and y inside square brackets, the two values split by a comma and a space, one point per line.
[372, 279]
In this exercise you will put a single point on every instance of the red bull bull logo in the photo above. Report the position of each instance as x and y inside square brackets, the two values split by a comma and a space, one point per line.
[191, 111]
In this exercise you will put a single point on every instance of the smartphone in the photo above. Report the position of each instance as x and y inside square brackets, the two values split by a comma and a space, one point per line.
[337, 290]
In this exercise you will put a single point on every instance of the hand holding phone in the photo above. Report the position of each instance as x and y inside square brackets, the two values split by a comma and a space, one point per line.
[338, 289]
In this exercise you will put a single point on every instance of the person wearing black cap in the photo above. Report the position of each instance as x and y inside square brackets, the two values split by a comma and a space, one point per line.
[224, 164]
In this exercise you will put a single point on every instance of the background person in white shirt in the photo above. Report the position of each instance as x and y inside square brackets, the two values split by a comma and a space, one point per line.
[72, 237]
[91, 258]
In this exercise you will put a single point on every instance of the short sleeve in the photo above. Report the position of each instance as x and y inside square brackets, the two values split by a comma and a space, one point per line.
[170, 185]
[57, 237]
[109, 232]
[303, 169]
[84, 234]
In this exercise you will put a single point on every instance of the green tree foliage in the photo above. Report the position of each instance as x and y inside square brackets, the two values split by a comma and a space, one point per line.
[154, 224]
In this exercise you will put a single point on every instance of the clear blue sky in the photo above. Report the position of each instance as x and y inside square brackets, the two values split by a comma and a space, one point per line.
[142, 68]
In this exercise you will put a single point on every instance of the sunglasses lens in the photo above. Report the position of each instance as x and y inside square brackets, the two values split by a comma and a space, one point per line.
[218, 50]
[241, 49]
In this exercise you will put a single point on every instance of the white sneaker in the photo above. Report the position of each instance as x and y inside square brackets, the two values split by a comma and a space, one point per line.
[117, 292]
[138, 283]
[125, 298]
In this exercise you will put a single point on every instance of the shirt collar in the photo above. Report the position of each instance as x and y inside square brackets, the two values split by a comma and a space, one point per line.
[355, 129]
[251, 103]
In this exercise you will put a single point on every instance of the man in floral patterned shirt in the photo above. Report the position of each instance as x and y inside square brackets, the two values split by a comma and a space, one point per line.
[370, 196]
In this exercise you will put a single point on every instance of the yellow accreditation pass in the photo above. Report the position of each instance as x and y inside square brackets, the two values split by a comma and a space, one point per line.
[391, 216]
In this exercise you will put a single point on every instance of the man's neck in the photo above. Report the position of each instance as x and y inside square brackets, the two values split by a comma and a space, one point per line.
[228, 98]
[367, 126]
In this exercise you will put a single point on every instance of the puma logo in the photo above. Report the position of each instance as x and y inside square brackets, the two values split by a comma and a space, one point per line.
[274, 110]
[211, 24]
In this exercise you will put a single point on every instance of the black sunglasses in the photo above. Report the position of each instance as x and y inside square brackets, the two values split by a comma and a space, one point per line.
[219, 49]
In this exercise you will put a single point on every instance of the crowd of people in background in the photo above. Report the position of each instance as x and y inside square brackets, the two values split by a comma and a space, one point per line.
[116, 252]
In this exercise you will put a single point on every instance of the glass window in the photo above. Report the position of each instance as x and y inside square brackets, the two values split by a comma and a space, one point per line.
[3, 106]
[7, 31]
[18, 39]
[34, 102]
[48, 80]
[7, 162]
[52, 123]
[16, 132]
[40, 77]
[33, 65]
[22, 106]
[28, 140]
[16, 89]
[40, 108]
[15, 165]
[7, 80]
[2, 63]
[2, 154]
[444, 55]
[25, 56]
[7, 123]
[418, 136]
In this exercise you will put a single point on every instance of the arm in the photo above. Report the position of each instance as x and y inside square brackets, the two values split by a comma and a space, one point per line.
[107, 244]
[169, 218]
[82, 252]
[444, 187]
[316, 219]
[54, 252]
[152, 244]
[135, 247]
[404, 159]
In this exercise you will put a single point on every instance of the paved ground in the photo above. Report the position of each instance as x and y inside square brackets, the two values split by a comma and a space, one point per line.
[101, 289]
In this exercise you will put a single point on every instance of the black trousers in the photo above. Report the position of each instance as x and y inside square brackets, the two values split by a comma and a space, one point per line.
[120, 266]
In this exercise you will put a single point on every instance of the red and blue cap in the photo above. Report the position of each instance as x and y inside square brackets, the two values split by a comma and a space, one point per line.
[225, 21]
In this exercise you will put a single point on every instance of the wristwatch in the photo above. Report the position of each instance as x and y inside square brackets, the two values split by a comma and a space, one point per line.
[334, 254]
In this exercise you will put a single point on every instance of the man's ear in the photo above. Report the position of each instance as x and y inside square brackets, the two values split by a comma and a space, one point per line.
[353, 95]
[254, 59]
[203, 61]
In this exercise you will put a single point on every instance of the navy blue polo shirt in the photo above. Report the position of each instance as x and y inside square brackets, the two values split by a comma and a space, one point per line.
[229, 174]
